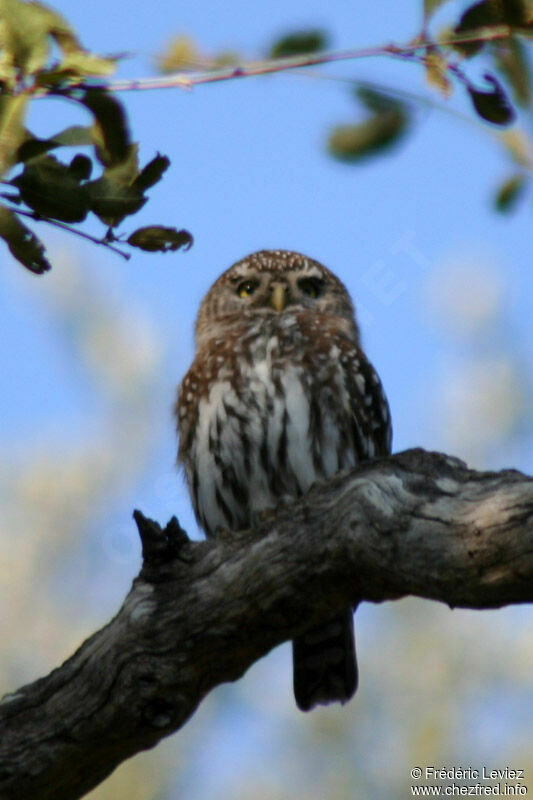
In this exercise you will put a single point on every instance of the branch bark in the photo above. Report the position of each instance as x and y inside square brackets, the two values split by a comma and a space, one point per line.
[200, 614]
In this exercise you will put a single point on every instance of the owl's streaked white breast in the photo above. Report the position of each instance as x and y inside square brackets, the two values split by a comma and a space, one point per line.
[272, 423]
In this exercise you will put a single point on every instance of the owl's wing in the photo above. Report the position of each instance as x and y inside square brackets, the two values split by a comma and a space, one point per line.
[370, 414]
[186, 409]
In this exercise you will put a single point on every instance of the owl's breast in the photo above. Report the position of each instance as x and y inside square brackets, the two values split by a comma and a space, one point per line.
[270, 420]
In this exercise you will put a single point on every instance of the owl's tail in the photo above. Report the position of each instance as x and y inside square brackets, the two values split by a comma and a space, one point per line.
[324, 663]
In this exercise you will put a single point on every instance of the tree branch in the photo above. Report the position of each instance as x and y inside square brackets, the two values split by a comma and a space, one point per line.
[63, 225]
[188, 79]
[200, 614]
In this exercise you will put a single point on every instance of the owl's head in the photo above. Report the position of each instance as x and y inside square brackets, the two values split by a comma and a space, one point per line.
[272, 282]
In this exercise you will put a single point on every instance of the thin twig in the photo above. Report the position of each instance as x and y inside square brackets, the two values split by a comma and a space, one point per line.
[38, 218]
[187, 80]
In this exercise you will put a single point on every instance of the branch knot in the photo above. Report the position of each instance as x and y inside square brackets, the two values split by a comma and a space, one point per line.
[161, 545]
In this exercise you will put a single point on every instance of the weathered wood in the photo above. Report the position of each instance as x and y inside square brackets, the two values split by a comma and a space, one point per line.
[200, 614]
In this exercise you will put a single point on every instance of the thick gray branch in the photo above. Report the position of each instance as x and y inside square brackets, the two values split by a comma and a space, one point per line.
[200, 614]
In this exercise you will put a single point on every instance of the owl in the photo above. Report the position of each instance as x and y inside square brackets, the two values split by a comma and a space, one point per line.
[280, 395]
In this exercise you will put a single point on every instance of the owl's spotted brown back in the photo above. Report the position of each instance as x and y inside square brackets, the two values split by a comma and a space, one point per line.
[280, 395]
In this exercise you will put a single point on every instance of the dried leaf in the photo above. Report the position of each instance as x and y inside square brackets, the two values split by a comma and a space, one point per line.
[510, 192]
[226, 58]
[437, 73]
[299, 43]
[180, 53]
[155, 238]
[519, 147]
[493, 106]
[22, 242]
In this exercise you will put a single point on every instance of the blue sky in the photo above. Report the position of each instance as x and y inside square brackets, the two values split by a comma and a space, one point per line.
[250, 171]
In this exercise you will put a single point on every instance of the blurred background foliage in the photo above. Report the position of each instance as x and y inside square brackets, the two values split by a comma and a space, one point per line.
[91, 355]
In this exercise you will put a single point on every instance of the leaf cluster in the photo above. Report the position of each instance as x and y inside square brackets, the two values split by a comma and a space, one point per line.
[47, 188]
[510, 60]
[472, 35]
[495, 29]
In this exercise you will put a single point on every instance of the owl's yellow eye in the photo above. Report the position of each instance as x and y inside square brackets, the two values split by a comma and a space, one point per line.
[310, 286]
[247, 288]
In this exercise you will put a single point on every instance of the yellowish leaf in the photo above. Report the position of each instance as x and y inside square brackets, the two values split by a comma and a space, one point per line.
[180, 53]
[26, 30]
[437, 74]
[519, 146]
[12, 130]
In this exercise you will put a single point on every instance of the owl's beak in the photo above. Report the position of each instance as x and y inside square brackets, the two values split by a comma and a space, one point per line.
[278, 298]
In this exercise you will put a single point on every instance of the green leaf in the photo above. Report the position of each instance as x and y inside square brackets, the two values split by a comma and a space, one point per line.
[152, 172]
[512, 61]
[22, 242]
[509, 193]
[120, 190]
[80, 168]
[73, 136]
[299, 43]
[483, 14]
[352, 143]
[377, 101]
[12, 130]
[110, 131]
[155, 238]
[430, 6]
[488, 14]
[114, 195]
[493, 106]
[516, 13]
[381, 131]
[51, 189]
